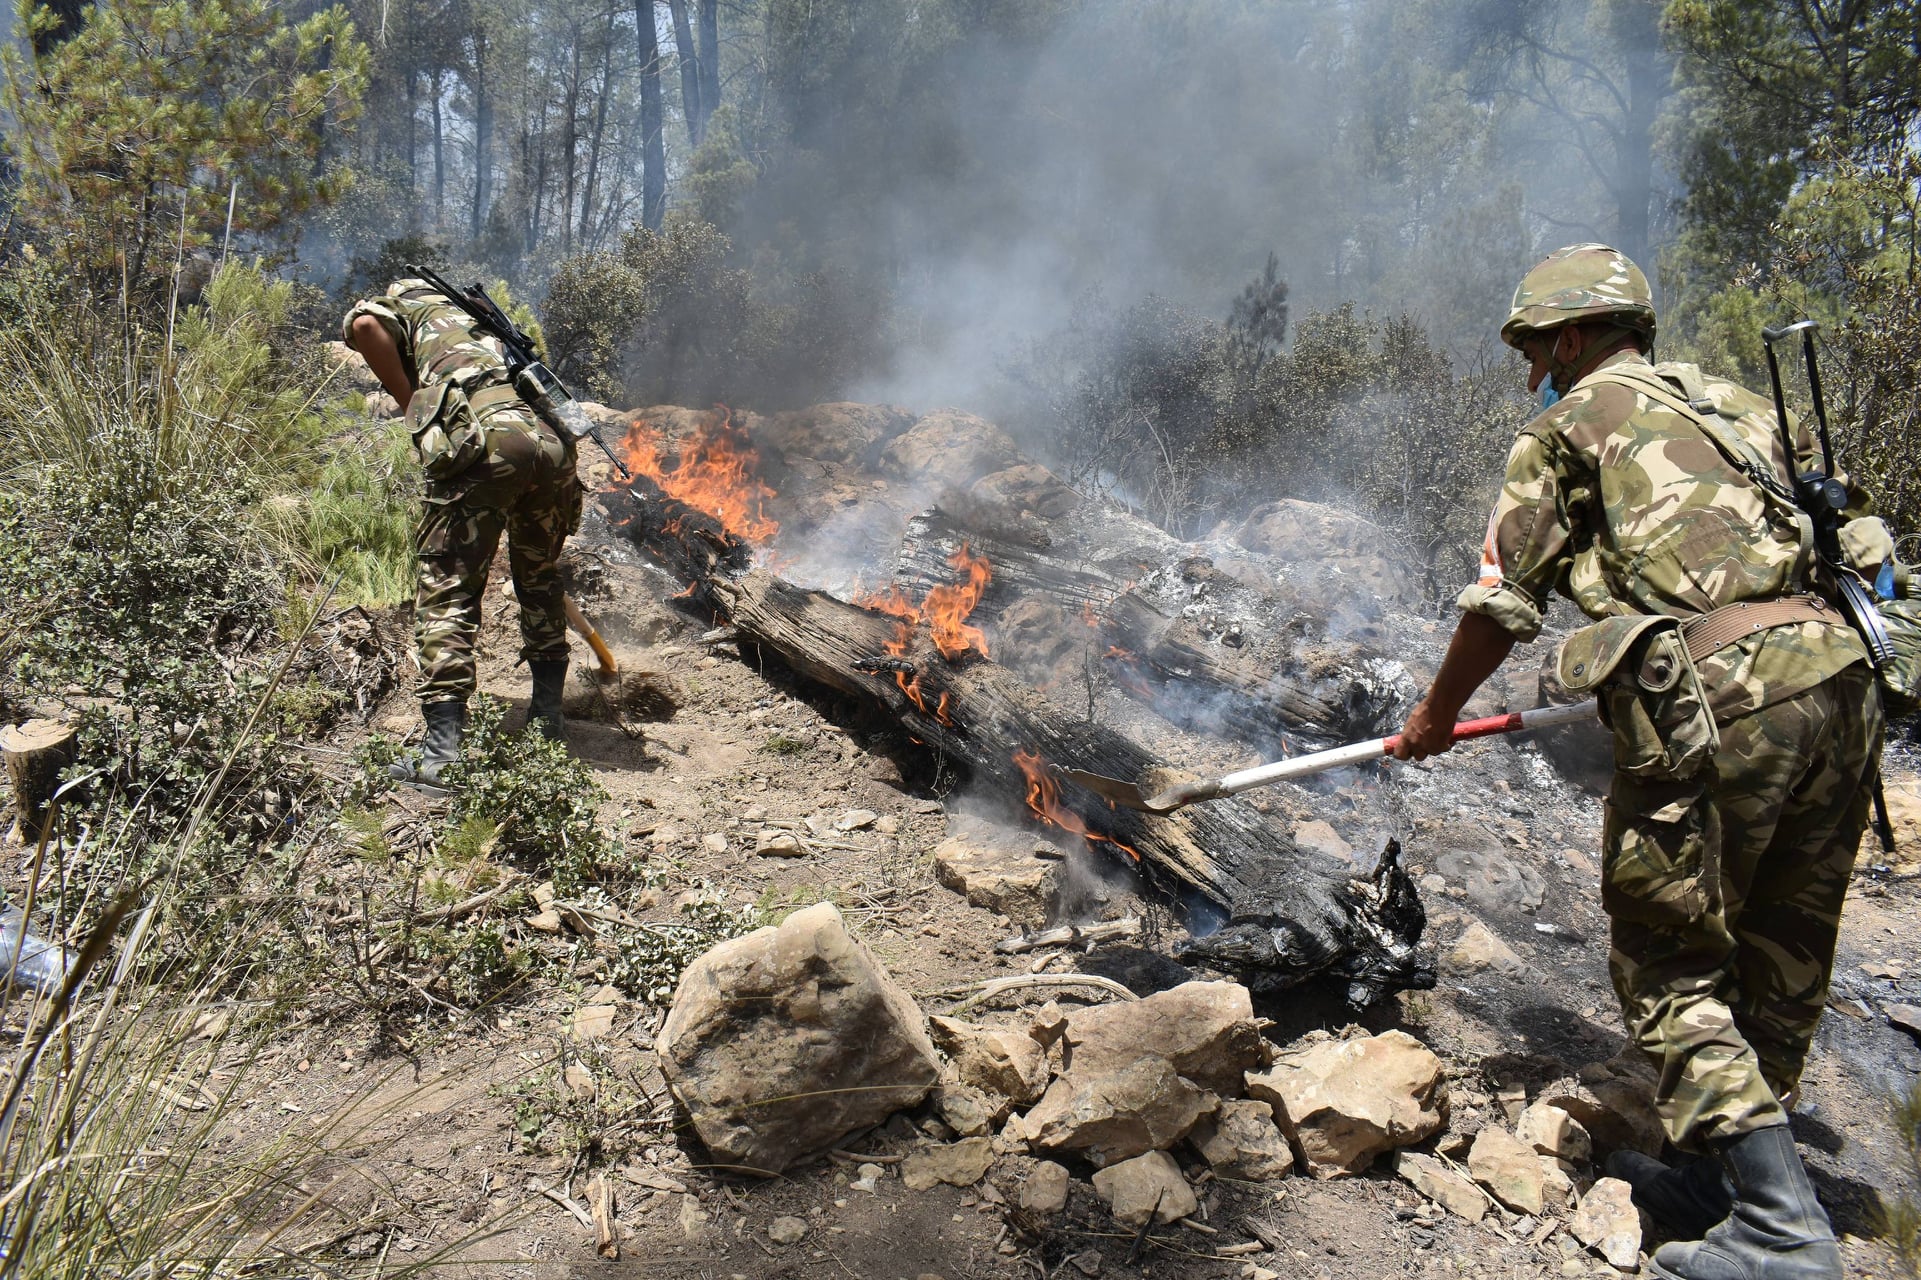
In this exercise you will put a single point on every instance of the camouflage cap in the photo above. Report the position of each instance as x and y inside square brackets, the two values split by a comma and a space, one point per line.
[1580, 282]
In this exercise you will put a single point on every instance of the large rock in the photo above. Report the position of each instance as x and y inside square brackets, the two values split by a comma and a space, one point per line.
[1495, 882]
[949, 449]
[999, 877]
[1608, 1223]
[840, 432]
[783, 1041]
[1110, 1117]
[1342, 552]
[1205, 1030]
[1023, 490]
[1441, 1184]
[1344, 1102]
[1241, 1140]
[1044, 1190]
[999, 1061]
[1148, 1186]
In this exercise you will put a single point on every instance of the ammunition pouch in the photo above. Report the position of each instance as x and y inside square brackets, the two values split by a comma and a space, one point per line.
[1900, 676]
[1638, 668]
[446, 431]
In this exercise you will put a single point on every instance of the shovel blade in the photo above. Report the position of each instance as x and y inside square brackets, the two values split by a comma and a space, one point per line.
[1129, 795]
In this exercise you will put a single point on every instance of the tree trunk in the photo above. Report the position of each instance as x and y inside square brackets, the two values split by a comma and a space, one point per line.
[569, 143]
[689, 71]
[653, 156]
[35, 753]
[440, 156]
[1289, 918]
[598, 139]
[709, 62]
[483, 135]
[1650, 79]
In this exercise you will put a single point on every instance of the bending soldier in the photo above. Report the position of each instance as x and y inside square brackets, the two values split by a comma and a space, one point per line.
[1645, 494]
[491, 465]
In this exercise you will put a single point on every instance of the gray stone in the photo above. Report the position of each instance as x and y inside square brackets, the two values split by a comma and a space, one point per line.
[783, 1041]
[1344, 1102]
[1148, 1186]
[1241, 1140]
[772, 842]
[787, 1230]
[1494, 881]
[965, 1110]
[1518, 1176]
[959, 1164]
[1613, 1101]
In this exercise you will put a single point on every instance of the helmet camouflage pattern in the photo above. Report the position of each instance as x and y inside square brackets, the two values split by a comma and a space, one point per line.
[1581, 282]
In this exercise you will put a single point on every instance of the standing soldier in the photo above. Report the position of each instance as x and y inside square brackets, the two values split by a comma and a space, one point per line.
[1744, 755]
[490, 465]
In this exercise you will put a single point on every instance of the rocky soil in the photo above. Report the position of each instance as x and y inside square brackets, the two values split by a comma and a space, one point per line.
[1159, 1123]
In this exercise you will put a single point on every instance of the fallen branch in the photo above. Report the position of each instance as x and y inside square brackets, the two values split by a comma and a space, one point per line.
[1069, 935]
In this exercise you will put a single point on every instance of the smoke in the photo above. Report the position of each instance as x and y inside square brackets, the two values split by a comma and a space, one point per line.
[1015, 176]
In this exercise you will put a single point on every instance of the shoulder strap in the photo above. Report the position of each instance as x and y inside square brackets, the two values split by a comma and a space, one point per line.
[1693, 403]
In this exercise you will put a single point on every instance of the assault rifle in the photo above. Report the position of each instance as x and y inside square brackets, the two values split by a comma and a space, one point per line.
[1823, 498]
[536, 384]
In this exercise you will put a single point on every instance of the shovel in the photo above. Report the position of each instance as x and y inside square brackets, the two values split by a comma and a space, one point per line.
[1129, 795]
[603, 656]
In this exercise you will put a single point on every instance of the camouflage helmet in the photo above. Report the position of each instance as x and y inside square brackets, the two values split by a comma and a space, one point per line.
[1581, 282]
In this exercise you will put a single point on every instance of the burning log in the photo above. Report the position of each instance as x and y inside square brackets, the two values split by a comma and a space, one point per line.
[1287, 921]
[1269, 695]
[925, 666]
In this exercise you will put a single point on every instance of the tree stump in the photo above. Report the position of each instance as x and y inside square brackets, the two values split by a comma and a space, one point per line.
[35, 753]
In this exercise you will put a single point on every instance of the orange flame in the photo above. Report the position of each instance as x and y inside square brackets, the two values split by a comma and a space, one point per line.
[948, 605]
[1044, 798]
[715, 474]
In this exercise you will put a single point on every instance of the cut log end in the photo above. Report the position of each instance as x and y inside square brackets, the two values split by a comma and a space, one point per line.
[35, 752]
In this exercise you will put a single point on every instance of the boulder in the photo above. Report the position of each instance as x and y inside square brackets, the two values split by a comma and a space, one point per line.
[949, 449]
[1608, 1223]
[1321, 837]
[959, 1164]
[998, 1061]
[1148, 1186]
[1494, 881]
[1480, 949]
[1205, 1030]
[1241, 1140]
[1045, 1189]
[1341, 551]
[1009, 880]
[1343, 1102]
[1553, 1132]
[1613, 1101]
[1518, 1176]
[1114, 1116]
[841, 432]
[1026, 489]
[781, 1042]
[1441, 1184]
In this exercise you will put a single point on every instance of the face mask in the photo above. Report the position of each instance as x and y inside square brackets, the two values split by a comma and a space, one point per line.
[1548, 394]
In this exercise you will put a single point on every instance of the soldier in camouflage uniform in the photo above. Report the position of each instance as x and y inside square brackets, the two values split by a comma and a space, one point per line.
[1642, 493]
[491, 466]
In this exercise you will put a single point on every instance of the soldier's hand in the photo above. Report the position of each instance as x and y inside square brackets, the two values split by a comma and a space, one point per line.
[1426, 733]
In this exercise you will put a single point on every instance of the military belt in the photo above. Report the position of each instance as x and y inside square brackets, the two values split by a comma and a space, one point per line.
[1716, 630]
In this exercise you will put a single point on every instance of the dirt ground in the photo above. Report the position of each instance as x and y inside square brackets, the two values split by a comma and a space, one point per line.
[442, 1141]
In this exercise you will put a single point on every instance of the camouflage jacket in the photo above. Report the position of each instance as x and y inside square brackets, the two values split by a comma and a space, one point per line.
[1626, 506]
[439, 340]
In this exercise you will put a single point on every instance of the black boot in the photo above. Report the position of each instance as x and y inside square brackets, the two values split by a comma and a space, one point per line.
[446, 721]
[1776, 1230]
[544, 714]
[1689, 1200]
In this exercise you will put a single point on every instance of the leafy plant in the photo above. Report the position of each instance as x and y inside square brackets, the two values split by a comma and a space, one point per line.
[540, 797]
[650, 958]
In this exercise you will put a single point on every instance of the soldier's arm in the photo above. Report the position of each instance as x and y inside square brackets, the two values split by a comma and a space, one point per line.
[1524, 555]
[370, 338]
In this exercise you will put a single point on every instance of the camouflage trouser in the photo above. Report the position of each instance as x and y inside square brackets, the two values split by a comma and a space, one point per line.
[526, 486]
[1725, 894]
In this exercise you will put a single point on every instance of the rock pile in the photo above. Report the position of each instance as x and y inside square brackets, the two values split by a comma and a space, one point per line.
[784, 1042]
